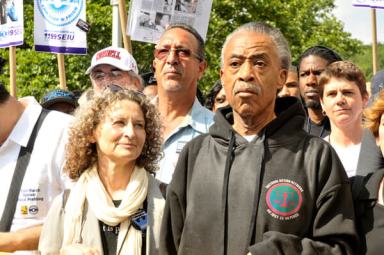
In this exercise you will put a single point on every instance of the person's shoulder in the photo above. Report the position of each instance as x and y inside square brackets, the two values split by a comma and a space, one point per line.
[197, 143]
[316, 139]
[198, 110]
[58, 114]
[59, 118]
[313, 143]
[319, 144]
[154, 188]
[199, 139]
[366, 187]
[201, 118]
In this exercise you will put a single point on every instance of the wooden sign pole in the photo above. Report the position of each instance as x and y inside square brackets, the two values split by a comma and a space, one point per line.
[62, 78]
[123, 25]
[12, 70]
[374, 41]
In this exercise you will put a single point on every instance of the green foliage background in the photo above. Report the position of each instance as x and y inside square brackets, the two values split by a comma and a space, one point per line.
[364, 60]
[304, 22]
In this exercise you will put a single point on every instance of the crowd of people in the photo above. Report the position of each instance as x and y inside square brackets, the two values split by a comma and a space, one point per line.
[272, 162]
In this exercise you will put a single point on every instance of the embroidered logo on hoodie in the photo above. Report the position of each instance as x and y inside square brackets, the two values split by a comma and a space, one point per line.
[284, 199]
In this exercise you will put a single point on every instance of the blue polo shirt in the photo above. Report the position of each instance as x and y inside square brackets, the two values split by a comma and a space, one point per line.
[197, 122]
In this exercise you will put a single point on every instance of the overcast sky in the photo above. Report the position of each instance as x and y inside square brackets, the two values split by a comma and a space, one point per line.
[357, 20]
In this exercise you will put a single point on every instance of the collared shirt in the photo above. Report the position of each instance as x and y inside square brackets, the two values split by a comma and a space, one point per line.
[43, 179]
[197, 122]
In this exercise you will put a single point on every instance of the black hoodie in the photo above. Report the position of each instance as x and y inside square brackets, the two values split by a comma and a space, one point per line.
[285, 192]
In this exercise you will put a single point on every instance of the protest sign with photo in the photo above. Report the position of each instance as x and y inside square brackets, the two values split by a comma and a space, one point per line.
[149, 18]
[11, 23]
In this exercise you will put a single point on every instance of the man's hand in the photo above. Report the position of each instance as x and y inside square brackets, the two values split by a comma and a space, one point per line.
[78, 249]
[21, 240]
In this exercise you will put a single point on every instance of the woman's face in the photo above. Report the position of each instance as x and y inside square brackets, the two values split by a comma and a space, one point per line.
[220, 100]
[343, 102]
[380, 138]
[120, 136]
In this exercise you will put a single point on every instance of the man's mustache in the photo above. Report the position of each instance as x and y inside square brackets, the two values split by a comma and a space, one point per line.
[246, 87]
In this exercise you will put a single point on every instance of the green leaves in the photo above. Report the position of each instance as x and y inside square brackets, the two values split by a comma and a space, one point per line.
[304, 23]
[37, 72]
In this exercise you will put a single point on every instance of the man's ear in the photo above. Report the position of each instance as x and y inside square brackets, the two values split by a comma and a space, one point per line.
[202, 66]
[139, 83]
[221, 75]
[321, 103]
[282, 78]
[153, 66]
[365, 100]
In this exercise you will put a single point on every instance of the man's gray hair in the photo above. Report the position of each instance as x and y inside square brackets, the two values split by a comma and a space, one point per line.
[274, 33]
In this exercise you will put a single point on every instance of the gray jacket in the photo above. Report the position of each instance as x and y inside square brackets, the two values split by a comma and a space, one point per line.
[51, 237]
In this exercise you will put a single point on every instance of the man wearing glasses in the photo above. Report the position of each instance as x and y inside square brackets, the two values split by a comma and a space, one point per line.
[257, 183]
[179, 63]
[114, 65]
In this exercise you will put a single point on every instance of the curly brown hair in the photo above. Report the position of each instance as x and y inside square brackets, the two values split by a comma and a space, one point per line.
[372, 115]
[81, 151]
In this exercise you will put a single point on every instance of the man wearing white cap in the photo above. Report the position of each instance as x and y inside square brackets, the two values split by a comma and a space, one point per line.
[114, 65]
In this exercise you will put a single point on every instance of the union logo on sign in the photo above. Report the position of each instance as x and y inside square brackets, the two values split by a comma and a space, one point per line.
[60, 12]
[284, 199]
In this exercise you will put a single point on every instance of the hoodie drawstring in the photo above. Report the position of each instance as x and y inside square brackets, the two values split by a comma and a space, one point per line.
[227, 170]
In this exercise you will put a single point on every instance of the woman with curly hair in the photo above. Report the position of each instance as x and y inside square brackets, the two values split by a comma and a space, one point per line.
[113, 146]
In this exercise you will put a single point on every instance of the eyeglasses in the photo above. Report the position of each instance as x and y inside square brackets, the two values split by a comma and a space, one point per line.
[183, 53]
[114, 74]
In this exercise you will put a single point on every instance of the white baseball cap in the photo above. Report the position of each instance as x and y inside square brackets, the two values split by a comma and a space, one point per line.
[114, 56]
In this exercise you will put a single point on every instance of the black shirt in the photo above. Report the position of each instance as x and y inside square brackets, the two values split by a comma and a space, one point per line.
[109, 235]
[322, 129]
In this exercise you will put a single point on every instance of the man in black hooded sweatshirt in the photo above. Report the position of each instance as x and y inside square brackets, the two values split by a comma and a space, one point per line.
[257, 183]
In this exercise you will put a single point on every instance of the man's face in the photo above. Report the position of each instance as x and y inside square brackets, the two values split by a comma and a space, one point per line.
[309, 71]
[291, 86]
[177, 67]
[104, 75]
[251, 73]
[220, 100]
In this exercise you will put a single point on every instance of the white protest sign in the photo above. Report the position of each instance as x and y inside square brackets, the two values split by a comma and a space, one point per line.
[11, 23]
[148, 18]
[55, 26]
[368, 3]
